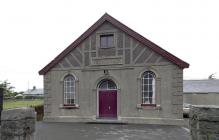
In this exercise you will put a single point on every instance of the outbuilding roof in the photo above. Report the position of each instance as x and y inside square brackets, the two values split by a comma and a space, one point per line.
[201, 86]
[124, 28]
[34, 92]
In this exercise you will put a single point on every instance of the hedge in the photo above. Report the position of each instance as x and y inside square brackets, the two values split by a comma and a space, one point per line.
[40, 112]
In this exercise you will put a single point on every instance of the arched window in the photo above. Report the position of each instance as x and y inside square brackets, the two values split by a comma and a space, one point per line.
[107, 85]
[69, 90]
[148, 88]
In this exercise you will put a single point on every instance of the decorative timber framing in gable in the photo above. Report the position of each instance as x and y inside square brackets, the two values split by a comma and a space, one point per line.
[78, 55]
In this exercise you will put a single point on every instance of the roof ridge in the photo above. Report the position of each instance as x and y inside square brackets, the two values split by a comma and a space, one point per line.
[202, 80]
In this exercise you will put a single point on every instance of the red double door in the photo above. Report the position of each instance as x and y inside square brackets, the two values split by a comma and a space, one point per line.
[108, 104]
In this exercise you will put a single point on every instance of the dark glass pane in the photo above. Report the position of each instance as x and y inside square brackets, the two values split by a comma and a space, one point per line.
[150, 100]
[68, 95]
[145, 76]
[150, 81]
[103, 41]
[68, 101]
[72, 101]
[68, 84]
[110, 41]
[66, 90]
[145, 81]
[111, 85]
[145, 100]
[150, 87]
[103, 85]
[69, 78]
[145, 87]
[72, 88]
[150, 94]
[145, 94]
[150, 75]
[107, 84]
[106, 41]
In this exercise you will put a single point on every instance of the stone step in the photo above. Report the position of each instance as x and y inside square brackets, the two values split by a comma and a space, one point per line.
[107, 121]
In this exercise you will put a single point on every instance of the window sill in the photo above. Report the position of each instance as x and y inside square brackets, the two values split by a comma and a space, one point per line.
[108, 47]
[149, 106]
[73, 106]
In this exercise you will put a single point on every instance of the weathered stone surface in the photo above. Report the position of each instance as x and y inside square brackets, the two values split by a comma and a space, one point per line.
[205, 113]
[18, 124]
[18, 127]
[18, 114]
[204, 122]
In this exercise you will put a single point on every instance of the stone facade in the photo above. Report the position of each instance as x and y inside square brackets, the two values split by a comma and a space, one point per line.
[126, 51]
[125, 62]
[204, 122]
[18, 124]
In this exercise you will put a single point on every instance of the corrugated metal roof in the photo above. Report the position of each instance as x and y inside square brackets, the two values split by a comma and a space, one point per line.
[201, 86]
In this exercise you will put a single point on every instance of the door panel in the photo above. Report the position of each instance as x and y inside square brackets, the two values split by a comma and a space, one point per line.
[108, 104]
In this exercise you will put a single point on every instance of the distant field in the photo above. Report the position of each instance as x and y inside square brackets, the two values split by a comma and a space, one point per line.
[7, 104]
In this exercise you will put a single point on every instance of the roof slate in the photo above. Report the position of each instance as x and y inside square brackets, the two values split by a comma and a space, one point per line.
[34, 92]
[124, 28]
[201, 86]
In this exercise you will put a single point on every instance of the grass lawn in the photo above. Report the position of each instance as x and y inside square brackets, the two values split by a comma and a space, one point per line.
[7, 104]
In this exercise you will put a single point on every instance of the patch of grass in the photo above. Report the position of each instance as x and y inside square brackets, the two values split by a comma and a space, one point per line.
[9, 104]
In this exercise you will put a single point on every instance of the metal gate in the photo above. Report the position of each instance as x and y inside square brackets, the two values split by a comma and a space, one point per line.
[1, 102]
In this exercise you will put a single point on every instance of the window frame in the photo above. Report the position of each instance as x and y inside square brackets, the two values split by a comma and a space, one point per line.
[151, 81]
[70, 91]
[109, 85]
[106, 35]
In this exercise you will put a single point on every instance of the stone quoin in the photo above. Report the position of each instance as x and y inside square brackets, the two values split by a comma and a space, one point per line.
[113, 73]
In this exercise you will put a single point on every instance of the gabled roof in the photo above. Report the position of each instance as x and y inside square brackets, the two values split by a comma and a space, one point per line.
[124, 28]
[33, 92]
[201, 86]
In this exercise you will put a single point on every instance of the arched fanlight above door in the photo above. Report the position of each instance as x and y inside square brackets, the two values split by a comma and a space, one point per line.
[107, 85]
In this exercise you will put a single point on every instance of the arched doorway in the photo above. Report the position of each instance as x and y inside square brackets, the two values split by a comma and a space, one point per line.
[107, 93]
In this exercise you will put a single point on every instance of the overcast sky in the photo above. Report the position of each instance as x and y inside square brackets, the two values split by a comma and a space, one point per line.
[33, 32]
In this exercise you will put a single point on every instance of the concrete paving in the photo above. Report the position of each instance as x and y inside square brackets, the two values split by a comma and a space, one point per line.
[83, 131]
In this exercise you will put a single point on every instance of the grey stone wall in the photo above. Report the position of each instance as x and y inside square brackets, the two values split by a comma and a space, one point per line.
[168, 93]
[125, 62]
[204, 122]
[18, 124]
[47, 94]
[177, 91]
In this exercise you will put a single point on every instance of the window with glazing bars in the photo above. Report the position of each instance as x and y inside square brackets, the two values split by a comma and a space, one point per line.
[148, 88]
[69, 90]
[106, 41]
[107, 85]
